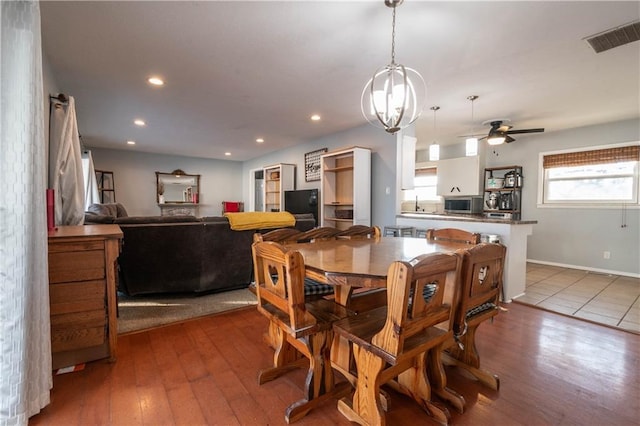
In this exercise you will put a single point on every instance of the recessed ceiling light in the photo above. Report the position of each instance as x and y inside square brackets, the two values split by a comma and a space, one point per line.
[139, 122]
[259, 140]
[131, 142]
[156, 81]
[315, 117]
[227, 154]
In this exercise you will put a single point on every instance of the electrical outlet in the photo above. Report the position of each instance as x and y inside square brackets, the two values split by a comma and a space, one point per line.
[607, 255]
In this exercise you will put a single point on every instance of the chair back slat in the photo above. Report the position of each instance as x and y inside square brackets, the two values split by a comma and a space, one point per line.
[280, 282]
[282, 235]
[453, 234]
[321, 233]
[360, 232]
[408, 313]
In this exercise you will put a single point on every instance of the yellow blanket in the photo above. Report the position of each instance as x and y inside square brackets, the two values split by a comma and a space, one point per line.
[260, 220]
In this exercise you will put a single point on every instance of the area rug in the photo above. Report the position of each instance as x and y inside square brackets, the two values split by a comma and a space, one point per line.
[144, 312]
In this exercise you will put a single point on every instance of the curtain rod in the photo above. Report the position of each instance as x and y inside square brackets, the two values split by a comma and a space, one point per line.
[60, 98]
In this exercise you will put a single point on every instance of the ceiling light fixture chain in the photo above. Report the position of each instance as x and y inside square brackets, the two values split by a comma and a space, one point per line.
[393, 33]
[394, 97]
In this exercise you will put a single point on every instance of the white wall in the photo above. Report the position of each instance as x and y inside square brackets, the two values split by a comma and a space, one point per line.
[383, 166]
[135, 179]
[575, 237]
[571, 237]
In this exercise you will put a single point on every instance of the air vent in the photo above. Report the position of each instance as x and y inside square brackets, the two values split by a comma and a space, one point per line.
[615, 37]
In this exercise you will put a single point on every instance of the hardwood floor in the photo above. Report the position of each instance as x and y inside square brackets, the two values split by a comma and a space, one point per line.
[553, 370]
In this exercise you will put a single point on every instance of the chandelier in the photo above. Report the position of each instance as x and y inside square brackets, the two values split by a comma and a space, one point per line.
[394, 97]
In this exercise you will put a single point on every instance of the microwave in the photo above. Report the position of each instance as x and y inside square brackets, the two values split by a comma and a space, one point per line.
[463, 205]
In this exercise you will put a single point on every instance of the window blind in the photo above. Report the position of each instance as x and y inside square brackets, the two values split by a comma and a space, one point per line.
[598, 156]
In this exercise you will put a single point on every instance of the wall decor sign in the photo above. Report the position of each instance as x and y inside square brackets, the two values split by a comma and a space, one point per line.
[312, 165]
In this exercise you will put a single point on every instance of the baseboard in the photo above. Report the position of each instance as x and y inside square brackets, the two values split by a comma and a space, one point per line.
[586, 268]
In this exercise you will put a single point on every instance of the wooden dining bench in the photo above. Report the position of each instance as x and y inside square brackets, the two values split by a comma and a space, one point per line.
[401, 343]
[302, 329]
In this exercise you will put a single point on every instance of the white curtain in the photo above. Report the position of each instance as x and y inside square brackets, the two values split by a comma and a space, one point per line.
[91, 194]
[25, 343]
[65, 164]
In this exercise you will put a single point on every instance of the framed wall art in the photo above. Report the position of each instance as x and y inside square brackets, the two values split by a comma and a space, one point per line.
[312, 165]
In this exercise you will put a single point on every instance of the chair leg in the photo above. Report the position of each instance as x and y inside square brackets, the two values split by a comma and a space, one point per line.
[365, 408]
[483, 376]
[469, 359]
[285, 358]
[319, 383]
[438, 379]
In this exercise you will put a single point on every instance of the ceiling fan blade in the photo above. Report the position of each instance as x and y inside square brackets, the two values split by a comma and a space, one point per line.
[509, 139]
[515, 132]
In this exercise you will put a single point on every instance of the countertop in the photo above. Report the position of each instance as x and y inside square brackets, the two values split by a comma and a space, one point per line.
[464, 218]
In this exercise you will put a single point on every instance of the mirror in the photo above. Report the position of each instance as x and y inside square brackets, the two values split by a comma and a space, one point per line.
[177, 187]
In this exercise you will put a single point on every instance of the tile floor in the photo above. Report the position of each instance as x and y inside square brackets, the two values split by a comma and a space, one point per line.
[606, 299]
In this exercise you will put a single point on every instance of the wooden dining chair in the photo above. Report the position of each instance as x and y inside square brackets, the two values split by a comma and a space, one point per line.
[453, 234]
[360, 231]
[481, 286]
[403, 340]
[312, 289]
[303, 327]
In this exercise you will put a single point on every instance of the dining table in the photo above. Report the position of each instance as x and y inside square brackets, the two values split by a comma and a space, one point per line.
[348, 264]
[352, 263]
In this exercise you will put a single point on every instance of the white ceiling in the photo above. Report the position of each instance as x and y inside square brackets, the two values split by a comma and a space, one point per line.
[239, 70]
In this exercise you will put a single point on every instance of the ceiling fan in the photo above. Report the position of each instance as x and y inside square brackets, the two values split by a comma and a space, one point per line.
[499, 132]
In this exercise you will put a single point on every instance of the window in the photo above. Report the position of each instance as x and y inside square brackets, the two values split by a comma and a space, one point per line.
[425, 185]
[591, 177]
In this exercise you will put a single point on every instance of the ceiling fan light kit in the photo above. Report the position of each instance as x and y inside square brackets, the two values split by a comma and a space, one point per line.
[394, 97]
[499, 132]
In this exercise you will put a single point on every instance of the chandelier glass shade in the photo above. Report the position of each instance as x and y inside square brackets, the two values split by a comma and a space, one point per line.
[394, 97]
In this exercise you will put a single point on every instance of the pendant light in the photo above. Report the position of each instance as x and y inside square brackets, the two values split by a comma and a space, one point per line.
[434, 149]
[471, 147]
[394, 97]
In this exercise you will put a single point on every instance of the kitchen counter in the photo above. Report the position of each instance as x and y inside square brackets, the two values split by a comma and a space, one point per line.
[512, 233]
[464, 218]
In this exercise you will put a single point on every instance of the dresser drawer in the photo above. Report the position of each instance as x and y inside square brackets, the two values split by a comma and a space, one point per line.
[66, 266]
[71, 337]
[77, 296]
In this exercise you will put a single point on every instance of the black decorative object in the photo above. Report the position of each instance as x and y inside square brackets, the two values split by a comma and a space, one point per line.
[312, 165]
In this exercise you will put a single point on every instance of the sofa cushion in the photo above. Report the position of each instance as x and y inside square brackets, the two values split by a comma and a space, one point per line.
[214, 219]
[112, 209]
[93, 218]
[154, 219]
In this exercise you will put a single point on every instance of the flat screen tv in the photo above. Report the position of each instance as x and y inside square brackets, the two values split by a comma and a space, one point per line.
[302, 201]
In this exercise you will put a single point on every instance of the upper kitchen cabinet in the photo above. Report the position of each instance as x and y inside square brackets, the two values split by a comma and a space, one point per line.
[346, 188]
[277, 179]
[460, 176]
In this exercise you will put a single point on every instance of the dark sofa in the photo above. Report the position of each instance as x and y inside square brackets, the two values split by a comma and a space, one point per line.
[178, 254]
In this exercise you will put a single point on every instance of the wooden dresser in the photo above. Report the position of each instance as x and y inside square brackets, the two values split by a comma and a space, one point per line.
[82, 293]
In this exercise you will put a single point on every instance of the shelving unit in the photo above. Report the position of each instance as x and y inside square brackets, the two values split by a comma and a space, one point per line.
[106, 186]
[277, 179]
[346, 188]
[513, 193]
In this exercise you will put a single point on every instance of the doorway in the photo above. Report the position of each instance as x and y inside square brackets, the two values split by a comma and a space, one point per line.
[256, 190]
